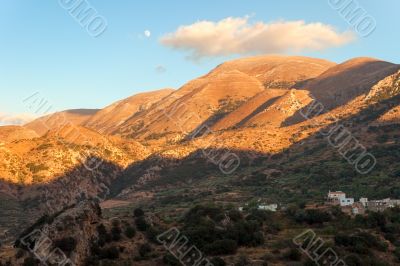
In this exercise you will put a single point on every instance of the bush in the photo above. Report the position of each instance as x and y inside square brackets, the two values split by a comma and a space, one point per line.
[91, 261]
[243, 261]
[67, 244]
[116, 233]
[217, 261]
[152, 233]
[104, 236]
[170, 260]
[130, 232]
[312, 216]
[246, 233]
[293, 254]
[138, 212]
[144, 250]
[20, 253]
[353, 260]
[35, 168]
[221, 247]
[141, 224]
[31, 262]
[397, 253]
[110, 253]
[309, 262]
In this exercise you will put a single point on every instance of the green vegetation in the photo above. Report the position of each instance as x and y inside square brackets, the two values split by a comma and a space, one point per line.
[35, 168]
[67, 244]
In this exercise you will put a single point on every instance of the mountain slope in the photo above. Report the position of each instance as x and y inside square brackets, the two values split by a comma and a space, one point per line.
[249, 109]
[276, 71]
[68, 117]
[210, 97]
[344, 82]
[111, 117]
[13, 133]
[246, 109]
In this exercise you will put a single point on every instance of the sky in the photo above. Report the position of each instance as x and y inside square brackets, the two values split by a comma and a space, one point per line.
[126, 47]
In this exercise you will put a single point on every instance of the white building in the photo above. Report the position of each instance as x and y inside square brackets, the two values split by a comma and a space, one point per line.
[339, 198]
[270, 207]
[336, 195]
[346, 201]
[364, 202]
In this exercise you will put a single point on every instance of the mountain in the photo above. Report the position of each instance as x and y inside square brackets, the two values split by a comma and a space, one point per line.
[45, 158]
[69, 117]
[149, 159]
[344, 82]
[107, 120]
[249, 109]
[13, 133]
[276, 71]
[211, 97]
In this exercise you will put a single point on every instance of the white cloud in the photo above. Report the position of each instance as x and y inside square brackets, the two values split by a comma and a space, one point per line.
[147, 33]
[239, 36]
[15, 119]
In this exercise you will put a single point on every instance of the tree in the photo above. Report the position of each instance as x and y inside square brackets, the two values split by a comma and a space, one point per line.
[116, 233]
[141, 224]
[243, 261]
[30, 262]
[144, 249]
[67, 244]
[170, 260]
[130, 232]
[221, 247]
[138, 212]
[110, 253]
[217, 261]
[293, 254]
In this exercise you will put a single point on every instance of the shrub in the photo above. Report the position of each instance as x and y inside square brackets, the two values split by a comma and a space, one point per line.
[396, 253]
[130, 232]
[141, 224]
[170, 260]
[152, 233]
[144, 250]
[353, 260]
[312, 216]
[138, 212]
[104, 236]
[116, 233]
[110, 253]
[293, 254]
[217, 261]
[20, 253]
[31, 262]
[67, 244]
[35, 168]
[221, 247]
[243, 261]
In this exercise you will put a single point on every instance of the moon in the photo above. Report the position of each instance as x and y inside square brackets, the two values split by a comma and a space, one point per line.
[147, 33]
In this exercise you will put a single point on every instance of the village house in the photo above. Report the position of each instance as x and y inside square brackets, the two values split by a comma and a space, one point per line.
[264, 207]
[339, 198]
[270, 207]
[378, 205]
[353, 208]
[381, 205]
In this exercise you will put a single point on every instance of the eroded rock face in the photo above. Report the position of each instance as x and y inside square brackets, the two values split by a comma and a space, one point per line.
[63, 239]
[384, 89]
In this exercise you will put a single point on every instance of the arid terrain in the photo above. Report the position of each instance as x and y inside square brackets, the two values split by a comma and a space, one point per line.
[266, 129]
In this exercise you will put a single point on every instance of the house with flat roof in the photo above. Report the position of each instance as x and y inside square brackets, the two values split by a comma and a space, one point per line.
[339, 198]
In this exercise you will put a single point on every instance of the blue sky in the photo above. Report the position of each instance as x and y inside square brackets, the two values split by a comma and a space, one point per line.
[44, 49]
